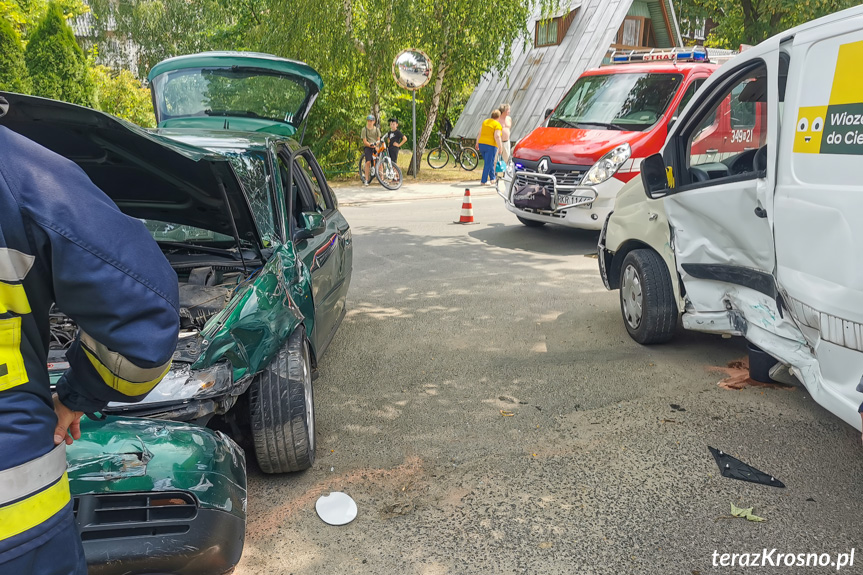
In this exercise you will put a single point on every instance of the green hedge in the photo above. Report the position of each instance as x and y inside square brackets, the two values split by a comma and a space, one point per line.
[57, 66]
[13, 70]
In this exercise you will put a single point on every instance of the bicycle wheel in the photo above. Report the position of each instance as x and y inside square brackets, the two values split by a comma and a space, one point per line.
[438, 158]
[388, 174]
[362, 162]
[469, 159]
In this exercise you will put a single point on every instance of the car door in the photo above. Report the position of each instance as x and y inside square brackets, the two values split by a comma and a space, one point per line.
[819, 208]
[718, 207]
[320, 249]
[326, 201]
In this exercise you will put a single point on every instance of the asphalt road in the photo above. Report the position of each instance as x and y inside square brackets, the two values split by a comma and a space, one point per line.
[452, 328]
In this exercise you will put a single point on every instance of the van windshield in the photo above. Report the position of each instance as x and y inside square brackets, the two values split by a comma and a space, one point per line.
[632, 102]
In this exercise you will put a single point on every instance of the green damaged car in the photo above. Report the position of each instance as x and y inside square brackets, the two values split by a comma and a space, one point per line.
[157, 497]
[245, 216]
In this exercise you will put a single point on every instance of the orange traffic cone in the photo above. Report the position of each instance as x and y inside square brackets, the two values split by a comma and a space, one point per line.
[466, 209]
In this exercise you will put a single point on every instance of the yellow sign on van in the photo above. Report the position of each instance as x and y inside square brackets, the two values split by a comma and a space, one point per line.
[838, 127]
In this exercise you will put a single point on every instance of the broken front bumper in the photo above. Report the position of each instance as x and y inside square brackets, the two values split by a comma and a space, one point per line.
[157, 532]
[157, 497]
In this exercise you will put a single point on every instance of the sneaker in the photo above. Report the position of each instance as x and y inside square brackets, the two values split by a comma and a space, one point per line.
[366, 184]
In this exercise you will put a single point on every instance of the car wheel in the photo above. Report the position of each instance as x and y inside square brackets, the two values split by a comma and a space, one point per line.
[647, 298]
[281, 409]
[530, 223]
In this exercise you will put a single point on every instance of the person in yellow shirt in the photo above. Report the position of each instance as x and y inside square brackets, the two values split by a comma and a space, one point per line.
[488, 143]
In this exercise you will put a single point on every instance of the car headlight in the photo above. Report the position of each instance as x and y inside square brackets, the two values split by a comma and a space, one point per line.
[183, 383]
[510, 169]
[608, 165]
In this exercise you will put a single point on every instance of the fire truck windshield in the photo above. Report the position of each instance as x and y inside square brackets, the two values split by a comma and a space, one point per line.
[632, 102]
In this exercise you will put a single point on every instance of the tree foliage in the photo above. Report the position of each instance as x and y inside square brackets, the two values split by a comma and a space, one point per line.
[23, 15]
[752, 21]
[165, 28]
[13, 70]
[121, 94]
[57, 66]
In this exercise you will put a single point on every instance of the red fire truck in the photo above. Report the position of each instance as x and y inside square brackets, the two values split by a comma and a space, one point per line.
[610, 120]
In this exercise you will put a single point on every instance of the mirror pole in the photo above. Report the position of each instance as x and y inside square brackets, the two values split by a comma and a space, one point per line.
[414, 126]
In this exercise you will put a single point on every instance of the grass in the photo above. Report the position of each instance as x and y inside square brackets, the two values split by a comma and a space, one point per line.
[452, 172]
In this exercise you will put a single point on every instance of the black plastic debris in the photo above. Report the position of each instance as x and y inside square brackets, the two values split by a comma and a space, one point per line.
[735, 469]
[676, 407]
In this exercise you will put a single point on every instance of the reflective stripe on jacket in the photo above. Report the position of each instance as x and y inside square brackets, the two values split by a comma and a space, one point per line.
[62, 240]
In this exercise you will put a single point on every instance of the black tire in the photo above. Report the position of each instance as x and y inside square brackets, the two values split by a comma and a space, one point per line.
[647, 298]
[437, 158]
[391, 183]
[281, 409]
[469, 159]
[530, 223]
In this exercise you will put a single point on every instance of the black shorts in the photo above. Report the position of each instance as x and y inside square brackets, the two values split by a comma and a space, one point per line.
[394, 154]
[369, 152]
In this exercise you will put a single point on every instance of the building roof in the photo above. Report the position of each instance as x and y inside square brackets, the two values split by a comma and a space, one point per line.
[539, 77]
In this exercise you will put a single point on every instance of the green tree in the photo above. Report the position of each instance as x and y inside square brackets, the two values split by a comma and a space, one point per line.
[57, 66]
[165, 28]
[752, 21]
[121, 94]
[25, 14]
[13, 71]
[463, 47]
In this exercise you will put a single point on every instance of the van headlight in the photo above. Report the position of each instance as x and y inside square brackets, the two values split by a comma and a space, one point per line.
[608, 165]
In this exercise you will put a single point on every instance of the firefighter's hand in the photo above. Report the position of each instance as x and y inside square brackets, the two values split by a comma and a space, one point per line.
[68, 423]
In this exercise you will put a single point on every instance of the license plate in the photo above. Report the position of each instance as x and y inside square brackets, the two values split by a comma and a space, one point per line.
[570, 200]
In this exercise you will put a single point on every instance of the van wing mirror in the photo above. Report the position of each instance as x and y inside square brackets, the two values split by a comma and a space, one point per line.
[548, 112]
[654, 177]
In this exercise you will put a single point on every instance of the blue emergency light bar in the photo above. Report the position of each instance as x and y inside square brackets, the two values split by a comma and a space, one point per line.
[694, 54]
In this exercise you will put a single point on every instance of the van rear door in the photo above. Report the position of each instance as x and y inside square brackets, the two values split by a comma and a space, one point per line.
[819, 209]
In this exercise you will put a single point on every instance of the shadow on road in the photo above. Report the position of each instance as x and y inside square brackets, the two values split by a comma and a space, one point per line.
[551, 240]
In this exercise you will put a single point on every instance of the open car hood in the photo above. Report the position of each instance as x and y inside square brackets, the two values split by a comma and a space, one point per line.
[240, 91]
[148, 176]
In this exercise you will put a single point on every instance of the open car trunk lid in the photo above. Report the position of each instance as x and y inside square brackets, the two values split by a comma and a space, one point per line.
[245, 91]
[148, 176]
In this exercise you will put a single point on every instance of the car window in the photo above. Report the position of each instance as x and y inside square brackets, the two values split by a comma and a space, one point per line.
[690, 91]
[314, 184]
[251, 170]
[742, 113]
[296, 205]
[723, 141]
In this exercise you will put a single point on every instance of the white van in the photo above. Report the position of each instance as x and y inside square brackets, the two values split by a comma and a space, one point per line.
[766, 243]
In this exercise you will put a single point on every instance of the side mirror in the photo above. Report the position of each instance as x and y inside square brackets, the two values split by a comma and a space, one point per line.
[313, 224]
[654, 177]
[549, 112]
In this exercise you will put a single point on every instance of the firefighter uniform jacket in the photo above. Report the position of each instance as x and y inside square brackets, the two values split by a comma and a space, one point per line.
[63, 240]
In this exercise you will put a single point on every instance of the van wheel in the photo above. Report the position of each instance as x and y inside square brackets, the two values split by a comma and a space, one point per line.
[281, 409]
[647, 298]
[530, 223]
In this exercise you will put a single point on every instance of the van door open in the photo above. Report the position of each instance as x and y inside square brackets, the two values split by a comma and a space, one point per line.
[819, 209]
[718, 208]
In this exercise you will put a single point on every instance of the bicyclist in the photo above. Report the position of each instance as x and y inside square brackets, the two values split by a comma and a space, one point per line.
[396, 140]
[371, 134]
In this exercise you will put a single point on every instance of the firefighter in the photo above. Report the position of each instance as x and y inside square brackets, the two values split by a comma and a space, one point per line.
[63, 240]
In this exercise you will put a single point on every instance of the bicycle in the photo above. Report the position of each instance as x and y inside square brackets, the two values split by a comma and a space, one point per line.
[388, 173]
[466, 156]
